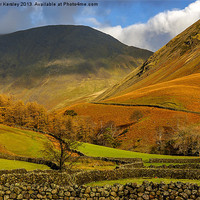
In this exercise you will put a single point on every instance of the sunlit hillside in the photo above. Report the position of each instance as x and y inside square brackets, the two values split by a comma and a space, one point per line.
[158, 100]
[63, 64]
[181, 94]
[142, 134]
[14, 141]
[179, 58]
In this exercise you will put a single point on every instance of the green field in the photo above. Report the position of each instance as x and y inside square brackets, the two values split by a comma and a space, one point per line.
[21, 142]
[14, 164]
[100, 151]
[28, 143]
[140, 181]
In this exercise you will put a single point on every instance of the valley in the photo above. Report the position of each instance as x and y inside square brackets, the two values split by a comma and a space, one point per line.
[79, 106]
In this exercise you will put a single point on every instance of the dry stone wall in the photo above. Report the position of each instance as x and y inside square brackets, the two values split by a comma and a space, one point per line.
[148, 190]
[87, 177]
[117, 160]
[178, 166]
[157, 160]
[49, 184]
[83, 177]
[131, 165]
[49, 177]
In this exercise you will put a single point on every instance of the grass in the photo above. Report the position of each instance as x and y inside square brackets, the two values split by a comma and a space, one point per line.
[160, 164]
[177, 94]
[91, 164]
[21, 142]
[140, 181]
[11, 164]
[100, 151]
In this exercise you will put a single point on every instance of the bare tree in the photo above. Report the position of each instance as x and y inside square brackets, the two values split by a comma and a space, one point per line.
[61, 153]
[64, 144]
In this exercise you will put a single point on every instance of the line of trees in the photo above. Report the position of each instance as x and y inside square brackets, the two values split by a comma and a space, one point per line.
[34, 116]
[179, 140]
[67, 129]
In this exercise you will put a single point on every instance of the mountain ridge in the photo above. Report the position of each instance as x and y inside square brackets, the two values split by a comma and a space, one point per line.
[178, 58]
[55, 60]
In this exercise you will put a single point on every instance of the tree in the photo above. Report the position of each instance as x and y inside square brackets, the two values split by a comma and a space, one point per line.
[178, 141]
[61, 152]
[63, 133]
[107, 135]
[187, 142]
[70, 112]
[36, 116]
[136, 115]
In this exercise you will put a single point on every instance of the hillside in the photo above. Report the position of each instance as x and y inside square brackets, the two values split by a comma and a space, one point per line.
[157, 101]
[180, 94]
[60, 65]
[18, 142]
[143, 134]
[179, 58]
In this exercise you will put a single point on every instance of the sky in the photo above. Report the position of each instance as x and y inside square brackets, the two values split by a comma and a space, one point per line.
[148, 24]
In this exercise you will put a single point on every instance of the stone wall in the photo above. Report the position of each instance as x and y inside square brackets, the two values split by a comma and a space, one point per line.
[39, 178]
[49, 184]
[178, 166]
[131, 165]
[157, 160]
[31, 160]
[178, 191]
[90, 176]
[83, 177]
[117, 160]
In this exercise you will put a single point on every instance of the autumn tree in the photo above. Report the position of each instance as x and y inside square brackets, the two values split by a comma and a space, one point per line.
[187, 142]
[107, 135]
[85, 129]
[62, 130]
[177, 141]
[136, 116]
[36, 116]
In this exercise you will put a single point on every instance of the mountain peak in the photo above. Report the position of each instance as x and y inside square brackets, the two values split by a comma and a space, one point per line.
[62, 59]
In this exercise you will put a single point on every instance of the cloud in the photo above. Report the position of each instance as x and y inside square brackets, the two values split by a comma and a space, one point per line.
[92, 21]
[14, 19]
[9, 20]
[158, 30]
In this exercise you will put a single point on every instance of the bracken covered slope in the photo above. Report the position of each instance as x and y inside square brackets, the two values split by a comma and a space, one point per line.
[179, 58]
[164, 91]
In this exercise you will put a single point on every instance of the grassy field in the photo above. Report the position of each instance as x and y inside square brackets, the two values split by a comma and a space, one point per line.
[160, 164]
[100, 151]
[91, 164]
[21, 142]
[11, 164]
[140, 181]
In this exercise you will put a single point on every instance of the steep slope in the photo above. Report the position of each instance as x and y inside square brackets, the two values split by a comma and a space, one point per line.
[179, 94]
[179, 58]
[58, 65]
[163, 93]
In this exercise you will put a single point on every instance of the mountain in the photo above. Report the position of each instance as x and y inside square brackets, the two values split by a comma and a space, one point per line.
[60, 65]
[178, 58]
[158, 100]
